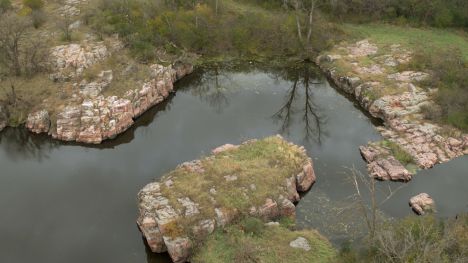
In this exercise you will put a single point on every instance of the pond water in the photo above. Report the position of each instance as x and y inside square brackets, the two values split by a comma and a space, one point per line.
[70, 203]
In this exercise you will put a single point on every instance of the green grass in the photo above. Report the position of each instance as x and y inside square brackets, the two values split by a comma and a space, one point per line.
[406, 240]
[238, 243]
[266, 164]
[399, 153]
[415, 38]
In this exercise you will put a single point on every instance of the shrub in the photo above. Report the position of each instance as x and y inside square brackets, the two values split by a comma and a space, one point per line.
[253, 226]
[5, 5]
[240, 29]
[38, 18]
[450, 76]
[413, 239]
[34, 4]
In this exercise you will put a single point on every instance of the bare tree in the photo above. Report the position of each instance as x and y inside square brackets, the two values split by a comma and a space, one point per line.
[308, 8]
[64, 24]
[13, 29]
[35, 56]
[369, 211]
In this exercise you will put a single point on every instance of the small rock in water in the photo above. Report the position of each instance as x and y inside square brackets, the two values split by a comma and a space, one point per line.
[422, 203]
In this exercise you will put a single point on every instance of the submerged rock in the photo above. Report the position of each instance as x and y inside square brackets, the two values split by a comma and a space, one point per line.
[190, 202]
[422, 203]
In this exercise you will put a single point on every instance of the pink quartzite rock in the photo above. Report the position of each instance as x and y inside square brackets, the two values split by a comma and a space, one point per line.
[422, 203]
[389, 169]
[401, 101]
[38, 122]
[159, 216]
[92, 118]
[381, 165]
[306, 178]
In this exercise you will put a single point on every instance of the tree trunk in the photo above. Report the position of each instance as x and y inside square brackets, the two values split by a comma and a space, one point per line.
[16, 63]
[311, 18]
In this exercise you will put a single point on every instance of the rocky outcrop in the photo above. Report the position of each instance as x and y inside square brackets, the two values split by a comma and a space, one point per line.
[396, 98]
[3, 118]
[172, 218]
[382, 165]
[91, 117]
[38, 122]
[422, 203]
[72, 59]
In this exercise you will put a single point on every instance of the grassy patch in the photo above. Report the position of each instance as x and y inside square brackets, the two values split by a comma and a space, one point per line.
[398, 152]
[127, 73]
[406, 240]
[259, 168]
[414, 38]
[449, 74]
[266, 244]
[29, 94]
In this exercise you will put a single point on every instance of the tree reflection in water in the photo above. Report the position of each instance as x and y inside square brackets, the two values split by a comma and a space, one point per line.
[299, 101]
[21, 144]
[211, 87]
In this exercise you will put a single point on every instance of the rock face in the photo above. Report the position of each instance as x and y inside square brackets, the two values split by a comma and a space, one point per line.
[91, 117]
[422, 203]
[3, 118]
[398, 102]
[172, 218]
[38, 122]
[72, 59]
[382, 165]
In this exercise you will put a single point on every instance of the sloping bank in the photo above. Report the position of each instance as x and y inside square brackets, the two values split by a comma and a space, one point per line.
[222, 193]
[371, 74]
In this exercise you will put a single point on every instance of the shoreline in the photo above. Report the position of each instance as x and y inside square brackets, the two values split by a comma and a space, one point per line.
[405, 132]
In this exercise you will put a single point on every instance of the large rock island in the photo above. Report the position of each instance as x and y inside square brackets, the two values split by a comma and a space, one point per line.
[257, 179]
